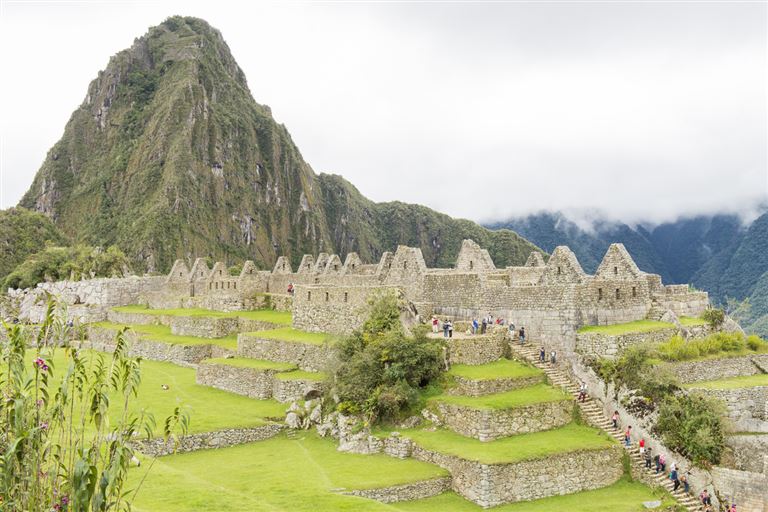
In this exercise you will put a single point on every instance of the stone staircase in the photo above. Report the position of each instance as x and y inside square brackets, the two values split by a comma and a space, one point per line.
[594, 414]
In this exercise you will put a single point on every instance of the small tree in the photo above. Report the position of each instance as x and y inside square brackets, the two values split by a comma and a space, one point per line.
[693, 425]
[61, 449]
[714, 317]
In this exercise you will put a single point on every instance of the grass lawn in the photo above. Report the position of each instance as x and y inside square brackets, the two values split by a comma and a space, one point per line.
[210, 409]
[691, 321]
[537, 445]
[256, 364]
[746, 381]
[509, 399]
[266, 315]
[279, 474]
[301, 375]
[623, 496]
[163, 334]
[626, 328]
[501, 369]
[291, 334]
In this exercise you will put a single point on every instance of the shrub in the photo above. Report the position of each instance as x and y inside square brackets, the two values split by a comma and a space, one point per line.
[756, 343]
[714, 317]
[678, 349]
[693, 425]
[381, 370]
[58, 440]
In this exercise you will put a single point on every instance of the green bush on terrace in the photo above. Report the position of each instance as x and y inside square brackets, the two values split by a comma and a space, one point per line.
[719, 343]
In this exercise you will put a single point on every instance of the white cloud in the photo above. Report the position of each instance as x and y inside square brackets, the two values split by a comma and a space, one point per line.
[644, 111]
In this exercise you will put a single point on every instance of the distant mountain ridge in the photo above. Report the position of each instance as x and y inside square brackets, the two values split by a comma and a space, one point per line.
[169, 156]
[715, 253]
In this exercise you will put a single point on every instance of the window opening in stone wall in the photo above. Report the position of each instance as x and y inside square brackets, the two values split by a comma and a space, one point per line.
[335, 266]
[405, 264]
[327, 296]
[216, 286]
[179, 274]
[471, 264]
[221, 272]
[616, 270]
[309, 296]
[559, 270]
[618, 293]
[634, 291]
[234, 285]
[210, 286]
[346, 296]
[599, 294]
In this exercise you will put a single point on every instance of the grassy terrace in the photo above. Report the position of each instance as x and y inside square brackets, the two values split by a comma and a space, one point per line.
[746, 381]
[291, 334]
[509, 399]
[210, 409]
[690, 321]
[162, 333]
[622, 496]
[256, 364]
[501, 369]
[626, 328]
[304, 474]
[265, 315]
[537, 445]
[301, 375]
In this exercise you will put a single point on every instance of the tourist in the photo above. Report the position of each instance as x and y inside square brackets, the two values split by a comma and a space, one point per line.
[657, 461]
[705, 498]
[628, 436]
[641, 444]
[445, 328]
[552, 356]
[450, 329]
[674, 478]
[511, 329]
[542, 354]
[733, 508]
[435, 323]
[615, 419]
[684, 481]
[662, 463]
[648, 458]
[521, 335]
[290, 288]
[484, 326]
[582, 391]
[475, 326]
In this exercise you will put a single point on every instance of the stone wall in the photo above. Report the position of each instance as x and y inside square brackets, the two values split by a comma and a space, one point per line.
[405, 492]
[307, 356]
[747, 452]
[476, 350]
[747, 407]
[490, 424]
[476, 387]
[261, 384]
[601, 345]
[203, 327]
[716, 369]
[748, 490]
[159, 447]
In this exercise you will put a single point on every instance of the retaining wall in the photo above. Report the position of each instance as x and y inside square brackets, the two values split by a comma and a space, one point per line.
[477, 387]
[307, 356]
[159, 447]
[405, 492]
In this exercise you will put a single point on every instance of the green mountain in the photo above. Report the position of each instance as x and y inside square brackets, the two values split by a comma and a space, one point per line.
[22, 233]
[169, 156]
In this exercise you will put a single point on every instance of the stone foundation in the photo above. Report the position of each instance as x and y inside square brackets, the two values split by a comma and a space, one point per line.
[203, 327]
[601, 345]
[490, 424]
[716, 369]
[747, 407]
[747, 453]
[472, 387]
[256, 383]
[159, 447]
[405, 492]
[289, 390]
[309, 357]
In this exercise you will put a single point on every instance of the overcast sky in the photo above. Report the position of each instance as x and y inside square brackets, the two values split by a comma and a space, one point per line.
[646, 111]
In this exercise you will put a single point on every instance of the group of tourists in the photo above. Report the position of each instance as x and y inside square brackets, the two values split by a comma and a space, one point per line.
[543, 356]
[447, 326]
[477, 327]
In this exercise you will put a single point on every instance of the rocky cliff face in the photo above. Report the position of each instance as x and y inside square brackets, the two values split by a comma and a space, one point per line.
[169, 156]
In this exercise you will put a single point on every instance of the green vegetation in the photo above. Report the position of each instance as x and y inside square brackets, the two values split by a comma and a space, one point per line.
[295, 335]
[692, 425]
[714, 317]
[691, 321]
[536, 445]
[382, 372]
[264, 315]
[509, 399]
[745, 381]
[302, 375]
[63, 433]
[501, 369]
[304, 474]
[162, 333]
[637, 326]
[58, 263]
[256, 364]
[715, 345]
[22, 233]
[623, 496]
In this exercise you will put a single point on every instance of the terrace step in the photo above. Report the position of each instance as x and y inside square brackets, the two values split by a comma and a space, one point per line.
[597, 417]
